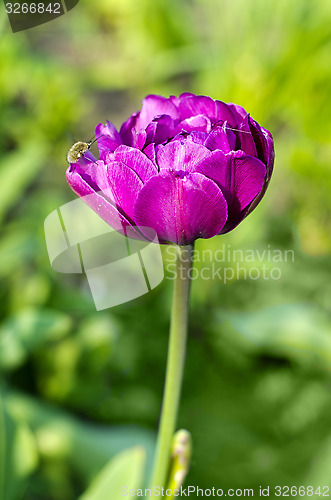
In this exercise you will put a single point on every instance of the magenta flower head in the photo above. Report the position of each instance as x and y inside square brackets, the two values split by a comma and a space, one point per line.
[188, 167]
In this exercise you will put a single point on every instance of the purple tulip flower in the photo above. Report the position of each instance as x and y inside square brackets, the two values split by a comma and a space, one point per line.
[188, 167]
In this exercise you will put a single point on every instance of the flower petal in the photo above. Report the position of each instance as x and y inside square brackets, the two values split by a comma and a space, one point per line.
[153, 106]
[110, 138]
[192, 105]
[263, 142]
[126, 131]
[245, 177]
[124, 186]
[198, 137]
[181, 154]
[137, 161]
[94, 170]
[271, 158]
[221, 138]
[214, 166]
[271, 152]
[271, 147]
[196, 123]
[246, 140]
[131, 134]
[150, 152]
[99, 201]
[240, 177]
[175, 100]
[184, 94]
[225, 114]
[161, 129]
[238, 111]
[139, 138]
[181, 208]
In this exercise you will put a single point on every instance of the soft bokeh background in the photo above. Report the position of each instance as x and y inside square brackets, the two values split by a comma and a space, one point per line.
[78, 386]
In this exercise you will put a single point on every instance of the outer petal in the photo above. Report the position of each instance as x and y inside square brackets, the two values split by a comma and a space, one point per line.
[110, 138]
[266, 153]
[137, 161]
[124, 186]
[153, 106]
[271, 158]
[99, 201]
[263, 142]
[245, 139]
[240, 177]
[244, 178]
[181, 208]
[271, 152]
[215, 166]
[271, 147]
[94, 170]
[181, 154]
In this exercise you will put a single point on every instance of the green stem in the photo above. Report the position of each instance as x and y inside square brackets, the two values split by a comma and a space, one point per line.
[175, 364]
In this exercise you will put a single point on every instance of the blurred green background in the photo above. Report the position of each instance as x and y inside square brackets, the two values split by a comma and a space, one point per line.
[79, 386]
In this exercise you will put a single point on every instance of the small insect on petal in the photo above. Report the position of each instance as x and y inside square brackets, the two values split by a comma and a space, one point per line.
[79, 149]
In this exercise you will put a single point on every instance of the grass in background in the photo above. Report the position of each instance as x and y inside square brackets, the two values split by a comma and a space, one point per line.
[256, 388]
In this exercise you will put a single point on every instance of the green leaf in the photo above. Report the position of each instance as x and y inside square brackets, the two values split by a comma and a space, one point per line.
[125, 470]
[23, 333]
[299, 331]
[18, 455]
